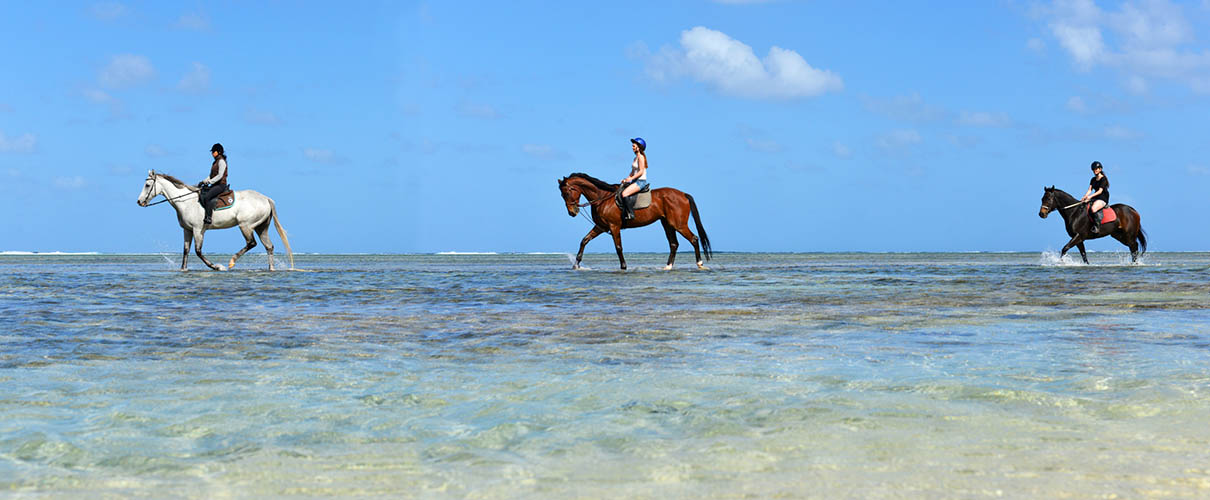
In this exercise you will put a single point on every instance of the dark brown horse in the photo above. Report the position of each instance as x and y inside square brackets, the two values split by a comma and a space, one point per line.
[1127, 229]
[669, 206]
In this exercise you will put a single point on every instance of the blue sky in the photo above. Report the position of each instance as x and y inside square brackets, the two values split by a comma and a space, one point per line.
[442, 126]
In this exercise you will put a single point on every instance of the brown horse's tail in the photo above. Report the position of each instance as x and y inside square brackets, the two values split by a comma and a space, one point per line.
[1142, 236]
[701, 231]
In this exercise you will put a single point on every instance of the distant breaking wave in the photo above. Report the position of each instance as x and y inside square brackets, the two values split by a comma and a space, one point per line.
[18, 252]
[467, 253]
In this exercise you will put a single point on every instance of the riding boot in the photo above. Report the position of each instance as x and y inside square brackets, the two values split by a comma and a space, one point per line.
[209, 211]
[630, 200]
[1095, 218]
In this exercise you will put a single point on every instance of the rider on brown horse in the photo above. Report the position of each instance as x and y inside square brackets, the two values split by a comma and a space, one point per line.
[216, 184]
[637, 180]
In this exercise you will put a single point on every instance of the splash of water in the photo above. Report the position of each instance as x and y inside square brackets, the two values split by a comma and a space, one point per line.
[1052, 258]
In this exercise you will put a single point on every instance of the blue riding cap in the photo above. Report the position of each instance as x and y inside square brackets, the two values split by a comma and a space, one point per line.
[642, 144]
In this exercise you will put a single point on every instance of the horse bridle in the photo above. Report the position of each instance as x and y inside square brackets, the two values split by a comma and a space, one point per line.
[155, 176]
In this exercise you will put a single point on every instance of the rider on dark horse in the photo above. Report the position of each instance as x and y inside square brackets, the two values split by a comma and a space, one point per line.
[1098, 192]
[216, 184]
[637, 180]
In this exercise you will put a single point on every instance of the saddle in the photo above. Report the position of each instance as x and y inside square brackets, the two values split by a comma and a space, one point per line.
[225, 200]
[1107, 215]
[639, 200]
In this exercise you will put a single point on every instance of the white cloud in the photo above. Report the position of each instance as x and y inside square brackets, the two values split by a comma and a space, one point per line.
[25, 143]
[731, 67]
[98, 96]
[1077, 105]
[544, 152]
[194, 21]
[983, 119]
[259, 117]
[899, 139]
[154, 151]
[841, 150]
[127, 70]
[485, 111]
[326, 156]
[196, 80]
[70, 183]
[910, 108]
[1144, 39]
[1122, 133]
[763, 145]
[107, 11]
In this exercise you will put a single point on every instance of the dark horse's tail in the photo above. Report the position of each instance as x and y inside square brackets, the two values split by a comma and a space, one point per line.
[1142, 237]
[701, 231]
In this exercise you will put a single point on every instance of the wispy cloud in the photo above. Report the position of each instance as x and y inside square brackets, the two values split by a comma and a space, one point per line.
[983, 119]
[763, 145]
[196, 81]
[1122, 133]
[1077, 105]
[155, 151]
[544, 152]
[909, 108]
[194, 21]
[896, 140]
[24, 143]
[70, 183]
[473, 110]
[107, 11]
[1151, 39]
[261, 117]
[841, 150]
[126, 70]
[732, 68]
[325, 156]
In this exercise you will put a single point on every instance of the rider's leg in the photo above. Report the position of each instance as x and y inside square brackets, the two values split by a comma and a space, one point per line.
[1095, 216]
[627, 190]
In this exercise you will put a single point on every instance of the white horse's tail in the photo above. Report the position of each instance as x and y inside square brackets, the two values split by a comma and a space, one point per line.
[281, 232]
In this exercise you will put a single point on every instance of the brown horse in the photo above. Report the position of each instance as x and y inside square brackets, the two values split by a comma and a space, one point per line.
[669, 206]
[1127, 229]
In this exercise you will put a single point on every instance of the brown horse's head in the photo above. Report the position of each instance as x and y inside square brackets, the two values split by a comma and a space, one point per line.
[1048, 202]
[571, 196]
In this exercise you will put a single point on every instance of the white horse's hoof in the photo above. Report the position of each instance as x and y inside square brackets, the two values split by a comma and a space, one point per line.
[702, 267]
[668, 267]
[231, 263]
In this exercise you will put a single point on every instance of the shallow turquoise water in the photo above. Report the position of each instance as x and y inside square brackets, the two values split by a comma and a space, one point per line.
[799, 375]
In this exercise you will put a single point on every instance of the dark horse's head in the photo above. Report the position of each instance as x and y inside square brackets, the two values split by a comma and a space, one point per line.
[1048, 202]
[572, 190]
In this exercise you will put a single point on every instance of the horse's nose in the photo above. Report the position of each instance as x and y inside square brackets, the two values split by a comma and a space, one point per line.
[1042, 214]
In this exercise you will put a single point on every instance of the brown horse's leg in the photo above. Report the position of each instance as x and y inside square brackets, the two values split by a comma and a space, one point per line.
[683, 228]
[596, 231]
[672, 243]
[616, 231]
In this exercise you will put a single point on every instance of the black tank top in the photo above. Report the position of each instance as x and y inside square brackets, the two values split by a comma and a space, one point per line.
[1103, 185]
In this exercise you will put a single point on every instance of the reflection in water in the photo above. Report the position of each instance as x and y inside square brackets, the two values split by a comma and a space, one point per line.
[829, 375]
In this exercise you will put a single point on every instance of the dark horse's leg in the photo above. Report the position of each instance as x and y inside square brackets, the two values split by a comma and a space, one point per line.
[596, 231]
[1083, 254]
[1075, 240]
[616, 231]
[672, 243]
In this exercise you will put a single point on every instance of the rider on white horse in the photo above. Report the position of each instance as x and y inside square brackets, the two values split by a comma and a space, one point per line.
[216, 184]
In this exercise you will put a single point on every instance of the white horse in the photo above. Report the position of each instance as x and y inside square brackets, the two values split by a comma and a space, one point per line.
[252, 212]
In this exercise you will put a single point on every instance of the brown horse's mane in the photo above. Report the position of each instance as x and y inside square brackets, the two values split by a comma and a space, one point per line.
[600, 184]
[176, 182]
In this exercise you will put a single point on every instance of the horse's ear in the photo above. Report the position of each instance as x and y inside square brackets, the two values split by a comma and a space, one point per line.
[1052, 188]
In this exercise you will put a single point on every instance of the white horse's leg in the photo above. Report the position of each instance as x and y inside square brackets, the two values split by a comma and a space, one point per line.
[251, 242]
[185, 254]
[263, 231]
[197, 248]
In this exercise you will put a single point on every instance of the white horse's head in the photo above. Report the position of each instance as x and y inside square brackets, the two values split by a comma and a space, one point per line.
[150, 189]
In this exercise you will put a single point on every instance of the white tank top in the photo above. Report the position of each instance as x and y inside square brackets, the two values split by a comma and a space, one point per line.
[634, 167]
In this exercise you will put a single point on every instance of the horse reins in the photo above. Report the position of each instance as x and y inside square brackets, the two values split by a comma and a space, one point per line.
[166, 198]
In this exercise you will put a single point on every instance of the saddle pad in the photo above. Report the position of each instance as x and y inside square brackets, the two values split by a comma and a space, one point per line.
[225, 200]
[1108, 215]
[643, 200]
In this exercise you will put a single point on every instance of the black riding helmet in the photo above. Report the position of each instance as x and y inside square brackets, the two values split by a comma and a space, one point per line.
[1095, 164]
[217, 147]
